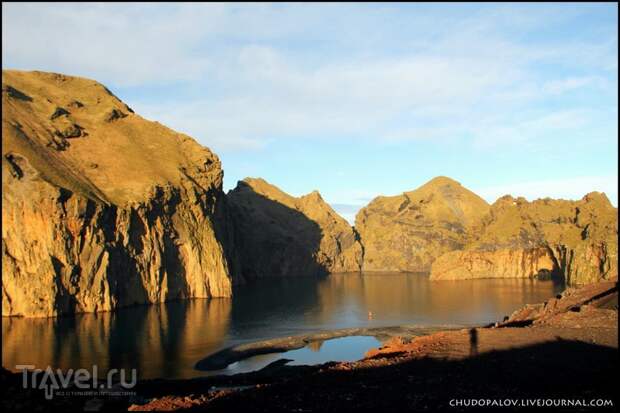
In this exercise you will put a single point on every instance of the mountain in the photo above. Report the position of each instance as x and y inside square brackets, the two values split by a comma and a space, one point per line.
[101, 207]
[104, 209]
[575, 240]
[408, 232]
[280, 235]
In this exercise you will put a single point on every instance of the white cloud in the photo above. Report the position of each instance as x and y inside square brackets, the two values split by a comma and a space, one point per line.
[392, 99]
[570, 83]
[276, 98]
[125, 45]
[293, 71]
[531, 130]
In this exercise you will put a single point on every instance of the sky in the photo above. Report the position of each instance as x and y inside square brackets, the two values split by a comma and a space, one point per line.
[357, 100]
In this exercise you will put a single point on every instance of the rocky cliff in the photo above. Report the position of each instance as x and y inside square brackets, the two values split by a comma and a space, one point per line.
[102, 208]
[576, 240]
[280, 235]
[409, 231]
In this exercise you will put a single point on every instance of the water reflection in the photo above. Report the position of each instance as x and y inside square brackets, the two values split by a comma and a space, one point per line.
[395, 299]
[166, 340]
[342, 349]
[156, 340]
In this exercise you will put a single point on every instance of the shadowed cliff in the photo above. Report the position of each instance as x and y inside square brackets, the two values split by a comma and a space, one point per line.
[276, 234]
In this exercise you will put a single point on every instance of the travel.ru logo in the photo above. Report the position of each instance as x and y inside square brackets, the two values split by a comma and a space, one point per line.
[52, 380]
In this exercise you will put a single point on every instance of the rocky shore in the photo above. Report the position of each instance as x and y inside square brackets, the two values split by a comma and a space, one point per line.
[563, 349]
[104, 209]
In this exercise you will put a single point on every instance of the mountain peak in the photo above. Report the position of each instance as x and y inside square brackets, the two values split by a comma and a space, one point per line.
[598, 197]
[442, 180]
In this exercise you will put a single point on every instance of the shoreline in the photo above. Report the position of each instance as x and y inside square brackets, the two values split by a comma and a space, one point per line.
[570, 342]
[223, 358]
[237, 287]
[564, 348]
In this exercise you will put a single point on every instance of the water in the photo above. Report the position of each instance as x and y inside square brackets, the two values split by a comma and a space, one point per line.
[341, 349]
[166, 340]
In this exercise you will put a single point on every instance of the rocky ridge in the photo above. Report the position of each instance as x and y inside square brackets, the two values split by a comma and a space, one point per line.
[102, 208]
[280, 235]
[575, 240]
[408, 232]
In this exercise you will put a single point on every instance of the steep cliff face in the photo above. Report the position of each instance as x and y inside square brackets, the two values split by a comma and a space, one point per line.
[102, 208]
[499, 263]
[409, 231]
[573, 239]
[280, 235]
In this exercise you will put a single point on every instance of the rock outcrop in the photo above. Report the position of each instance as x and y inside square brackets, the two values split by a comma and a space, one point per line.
[576, 240]
[592, 305]
[102, 208]
[280, 235]
[409, 231]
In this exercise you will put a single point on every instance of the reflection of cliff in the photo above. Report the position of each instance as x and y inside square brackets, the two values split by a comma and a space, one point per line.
[349, 297]
[316, 345]
[471, 299]
[261, 308]
[156, 340]
[412, 299]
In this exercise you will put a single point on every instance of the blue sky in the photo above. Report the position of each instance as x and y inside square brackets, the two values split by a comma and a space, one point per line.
[357, 100]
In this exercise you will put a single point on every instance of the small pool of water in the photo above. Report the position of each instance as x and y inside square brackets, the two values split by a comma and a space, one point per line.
[350, 348]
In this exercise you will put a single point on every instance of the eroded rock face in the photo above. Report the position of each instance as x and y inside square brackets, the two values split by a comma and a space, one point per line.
[500, 263]
[409, 231]
[280, 235]
[576, 240]
[122, 212]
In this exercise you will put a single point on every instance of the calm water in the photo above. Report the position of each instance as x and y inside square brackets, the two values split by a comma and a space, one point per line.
[167, 340]
[341, 349]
